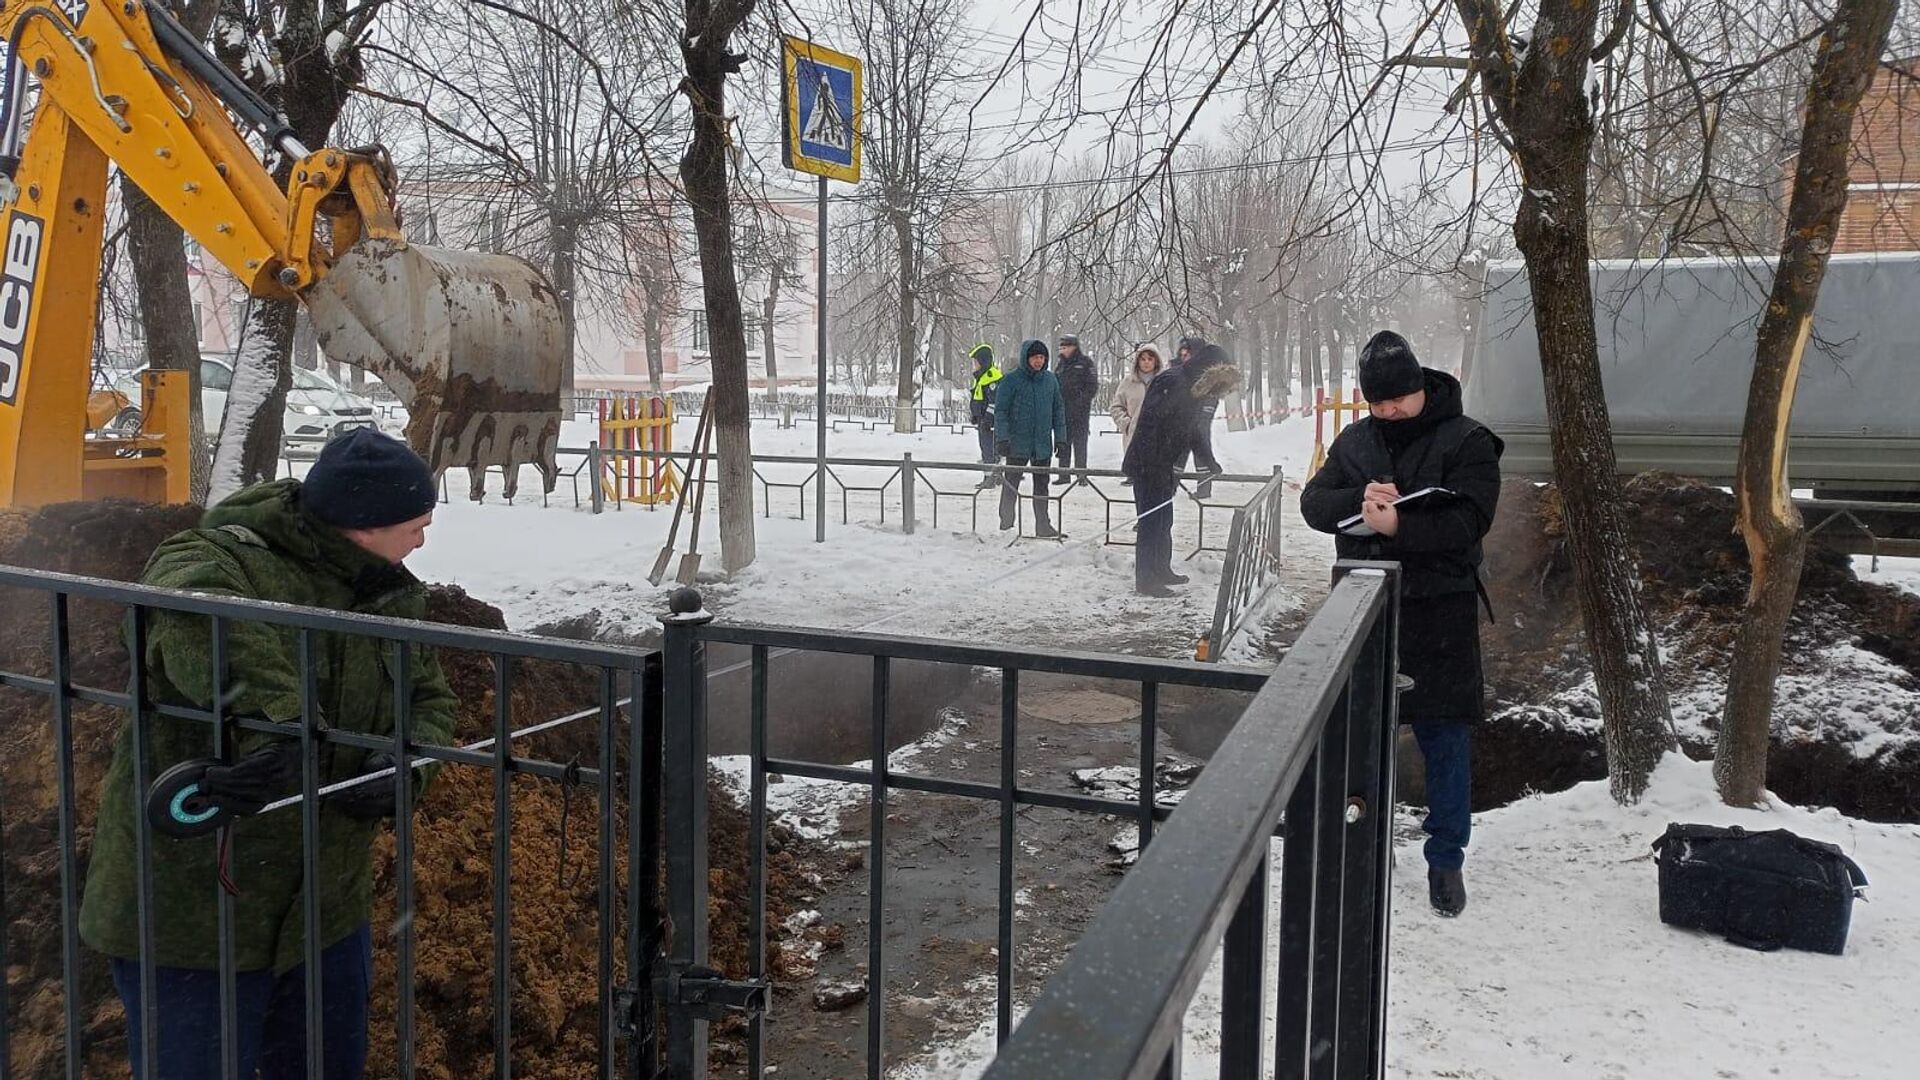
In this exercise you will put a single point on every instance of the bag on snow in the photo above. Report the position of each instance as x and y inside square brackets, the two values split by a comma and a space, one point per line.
[1764, 890]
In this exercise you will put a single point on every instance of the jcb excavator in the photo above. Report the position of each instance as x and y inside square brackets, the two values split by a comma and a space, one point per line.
[473, 344]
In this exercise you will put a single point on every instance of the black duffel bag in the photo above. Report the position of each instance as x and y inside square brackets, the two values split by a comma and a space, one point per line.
[1764, 890]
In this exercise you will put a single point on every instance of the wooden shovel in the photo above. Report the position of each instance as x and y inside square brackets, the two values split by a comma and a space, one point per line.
[659, 573]
[690, 562]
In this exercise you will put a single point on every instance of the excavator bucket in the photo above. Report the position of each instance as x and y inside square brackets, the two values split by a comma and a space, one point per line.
[473, 344]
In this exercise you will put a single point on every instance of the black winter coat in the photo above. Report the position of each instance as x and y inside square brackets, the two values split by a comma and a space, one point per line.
[1171, 424]
[1079, 385]
[1438, 545]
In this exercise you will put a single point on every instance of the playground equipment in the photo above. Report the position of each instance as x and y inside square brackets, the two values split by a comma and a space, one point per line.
[1322, 405]
[639, 423]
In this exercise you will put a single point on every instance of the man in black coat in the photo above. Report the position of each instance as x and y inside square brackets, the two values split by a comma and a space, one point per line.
[1415, 438]
[1163, 436]
[1079, 385]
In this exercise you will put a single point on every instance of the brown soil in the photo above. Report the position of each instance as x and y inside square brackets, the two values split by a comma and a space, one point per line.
[1694, 574]
[555, 928]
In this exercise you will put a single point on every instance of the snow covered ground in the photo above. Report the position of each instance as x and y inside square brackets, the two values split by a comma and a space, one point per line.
[1560, 966]
[1900, 573]
[542, 565]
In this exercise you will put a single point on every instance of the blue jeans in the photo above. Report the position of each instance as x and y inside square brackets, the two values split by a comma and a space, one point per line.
[270, 1011]
[1447, 747]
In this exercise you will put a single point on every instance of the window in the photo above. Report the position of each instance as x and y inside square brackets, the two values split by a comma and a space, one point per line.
[751, 335]
[700, 331]
[199, 325]
[215, 376]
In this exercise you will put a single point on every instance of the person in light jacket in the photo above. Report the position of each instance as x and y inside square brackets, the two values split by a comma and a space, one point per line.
[1132, 393]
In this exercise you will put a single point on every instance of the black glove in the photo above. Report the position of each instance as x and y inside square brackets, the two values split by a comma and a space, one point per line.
[373, 800]
[255, 779]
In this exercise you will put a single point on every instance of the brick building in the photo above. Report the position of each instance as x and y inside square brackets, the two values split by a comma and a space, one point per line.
[1883, 201]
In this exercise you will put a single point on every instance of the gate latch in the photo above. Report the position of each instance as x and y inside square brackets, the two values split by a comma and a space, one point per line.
[707, 995]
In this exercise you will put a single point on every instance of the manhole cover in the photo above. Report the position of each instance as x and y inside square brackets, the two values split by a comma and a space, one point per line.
[1080, 707]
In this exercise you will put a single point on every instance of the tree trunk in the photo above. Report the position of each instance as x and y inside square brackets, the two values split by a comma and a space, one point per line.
[907, 348]
[1775, 536]
[1309, 345]
[1339, 336]
[1543, 105]
[1257, 370]
[703, 171]
[655, 336]
[767, 308]
[566, 260]
[1043, 307]
[158, 250]
[252, 432]
[314, 85]
[1280, 370]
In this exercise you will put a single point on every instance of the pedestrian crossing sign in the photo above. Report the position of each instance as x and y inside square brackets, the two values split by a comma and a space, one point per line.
[821, 118]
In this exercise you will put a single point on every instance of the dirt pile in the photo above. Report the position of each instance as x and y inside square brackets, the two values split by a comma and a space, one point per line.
[1852, 648]
[107, 540]
[554, 915]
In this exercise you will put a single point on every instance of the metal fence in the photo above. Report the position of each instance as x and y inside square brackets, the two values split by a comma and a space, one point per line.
[906, 481]
[1316, 739]
[687, 635]
[1314, 750]
[1252, 565]
[625, 1028]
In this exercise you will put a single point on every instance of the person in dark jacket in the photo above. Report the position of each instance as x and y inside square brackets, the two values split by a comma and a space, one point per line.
[1079, 385]
[1164, 433]
[980, 406]
[1416, 437]
[335, 540]
[1030, 422]
[1202, 450]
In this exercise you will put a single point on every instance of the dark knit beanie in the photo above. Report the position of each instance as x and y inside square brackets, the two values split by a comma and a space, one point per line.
[367, 480]
[1035, 348]
[1388, 368]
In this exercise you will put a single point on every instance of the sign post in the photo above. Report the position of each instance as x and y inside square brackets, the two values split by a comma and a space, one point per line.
[820, 122]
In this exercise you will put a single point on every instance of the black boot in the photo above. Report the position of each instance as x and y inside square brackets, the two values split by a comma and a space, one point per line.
[1172, 578]
[1154, 589]
[1447, 892]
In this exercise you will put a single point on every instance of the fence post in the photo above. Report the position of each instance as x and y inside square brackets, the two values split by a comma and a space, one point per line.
[684, 655]
[593, 468]
[907, 484]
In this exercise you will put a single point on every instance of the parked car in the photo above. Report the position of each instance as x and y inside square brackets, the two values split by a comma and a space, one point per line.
[318, 408]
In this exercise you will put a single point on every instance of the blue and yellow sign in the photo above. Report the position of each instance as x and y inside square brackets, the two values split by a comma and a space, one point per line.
[821, 120]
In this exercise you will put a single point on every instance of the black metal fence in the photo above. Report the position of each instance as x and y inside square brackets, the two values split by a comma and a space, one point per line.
[1252, 565]
[626, 1007]
[1315, 741]
[905, 484]
[688, 634]
[1314, 750]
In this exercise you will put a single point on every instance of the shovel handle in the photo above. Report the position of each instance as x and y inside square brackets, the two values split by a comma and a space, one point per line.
[680, 504]
[700, 497]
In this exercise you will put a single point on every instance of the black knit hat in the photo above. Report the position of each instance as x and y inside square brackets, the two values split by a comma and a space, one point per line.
[1388, 368]
[1035, 347]
[367, 480]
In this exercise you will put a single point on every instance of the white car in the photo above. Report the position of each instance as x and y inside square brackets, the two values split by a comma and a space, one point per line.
[318, 408]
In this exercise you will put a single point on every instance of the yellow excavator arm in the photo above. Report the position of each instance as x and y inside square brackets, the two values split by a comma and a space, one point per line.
[473, 344]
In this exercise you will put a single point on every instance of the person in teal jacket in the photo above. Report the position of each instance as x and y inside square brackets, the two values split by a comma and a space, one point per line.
[1030, 424]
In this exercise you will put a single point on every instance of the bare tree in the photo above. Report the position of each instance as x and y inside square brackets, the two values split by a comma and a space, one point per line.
[1534, 88]
[706, 50]
[303, 57]
[1775, 537]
